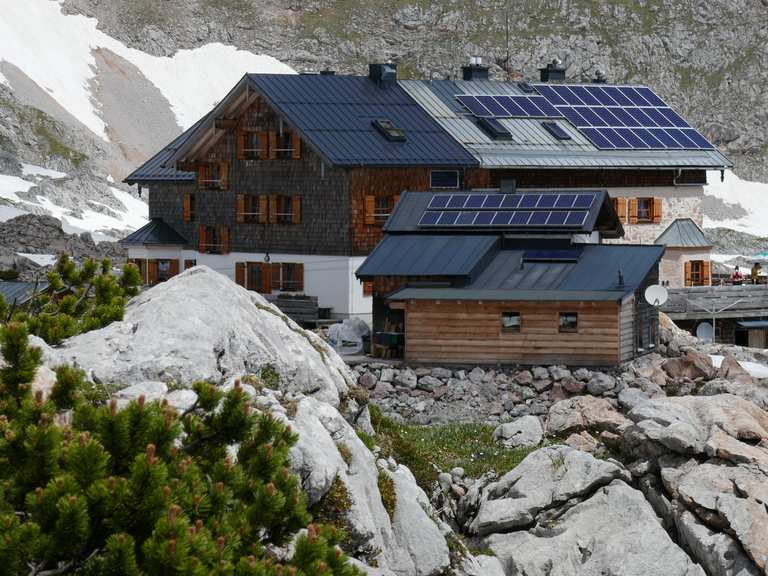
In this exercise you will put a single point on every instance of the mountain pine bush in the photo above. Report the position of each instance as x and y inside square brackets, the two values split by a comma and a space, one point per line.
[93, 490]
[79, 299]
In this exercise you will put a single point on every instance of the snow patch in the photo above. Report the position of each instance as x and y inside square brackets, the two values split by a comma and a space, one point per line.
[33, 170]
[11, 185]
[755, 369]
[55, 50]
[8, 212]
[137, 211]
[752, 196]
[40, 259]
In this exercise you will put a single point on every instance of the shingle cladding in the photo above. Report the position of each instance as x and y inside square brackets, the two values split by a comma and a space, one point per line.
[334, 115]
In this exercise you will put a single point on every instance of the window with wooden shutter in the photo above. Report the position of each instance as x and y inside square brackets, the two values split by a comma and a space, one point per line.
[174, 268]
[620, 206]
[275, 269]
[224, 175]
[370, 209]
[368, 288]
[263, 209]
[189, 264]
[224, 239]
[202, 176]
[240, 208]
[152, 272]
[257, 277]
[272, 209]
[632, 210]
[299, 279]
[189, 207]
[240, 273]
[687, 269]
[296, 152]
[263, 145]
[266, 278]
[240, 143]
[296, 209]
[202, 244]
[291, 277]
[706, 273]
[272, 145]
[656, 214]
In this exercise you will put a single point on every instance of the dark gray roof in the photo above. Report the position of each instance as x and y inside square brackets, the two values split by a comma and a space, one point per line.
[427, 255]
[683, 233]
[753, 324]
[155, 232]
[20, 292]
[696, 303]
[593, 277]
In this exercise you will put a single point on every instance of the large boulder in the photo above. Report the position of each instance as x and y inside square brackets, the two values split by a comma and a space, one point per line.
[347, 336]
[549, 476]
[584, 413]
[201, 325]
[755, 392]
[613, 532]
[523, 432]
[692, 365]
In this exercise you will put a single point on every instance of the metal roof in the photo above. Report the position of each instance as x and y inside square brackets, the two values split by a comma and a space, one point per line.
[531, 146]
[594, 276]
[334, 114]
[753, 324]
[698, 302]
[155, 232]
[427, 255]
[20, 292]
[683, 233]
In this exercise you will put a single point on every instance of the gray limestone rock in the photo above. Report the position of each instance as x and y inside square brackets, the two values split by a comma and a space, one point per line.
[523, 432]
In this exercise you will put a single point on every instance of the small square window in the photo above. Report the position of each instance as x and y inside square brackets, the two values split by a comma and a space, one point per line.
[389, 130]
[569, 322]
[444, 179]
[645, 209]
[511, 322]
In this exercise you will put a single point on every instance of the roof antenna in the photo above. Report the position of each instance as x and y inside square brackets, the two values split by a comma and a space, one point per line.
[621, 277]
[722, 178]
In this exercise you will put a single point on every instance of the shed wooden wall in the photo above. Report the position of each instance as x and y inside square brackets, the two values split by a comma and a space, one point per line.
[443, 332]
[627, 329]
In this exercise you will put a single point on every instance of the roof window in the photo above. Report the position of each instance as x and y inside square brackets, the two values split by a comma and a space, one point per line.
[556, 130]
[494, 128]
[389, 130]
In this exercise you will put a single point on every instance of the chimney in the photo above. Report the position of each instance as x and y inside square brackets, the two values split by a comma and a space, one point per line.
[384, 75]
[474, 70]
[600, 77]
[327, 72]
[553, 72]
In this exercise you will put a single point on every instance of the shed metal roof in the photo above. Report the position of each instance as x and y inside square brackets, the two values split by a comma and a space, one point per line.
[531, 146]
[593, 277]
[155, 232]
[683, 233]
[20, 292]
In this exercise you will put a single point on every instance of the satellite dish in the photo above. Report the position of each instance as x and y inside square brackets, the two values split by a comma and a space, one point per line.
[704, 331]
[656, 295]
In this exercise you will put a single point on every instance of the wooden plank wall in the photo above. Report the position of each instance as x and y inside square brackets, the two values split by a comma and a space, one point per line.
[627, 330]
[470, 332]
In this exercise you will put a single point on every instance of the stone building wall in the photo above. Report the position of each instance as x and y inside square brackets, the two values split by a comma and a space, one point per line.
[672, 269]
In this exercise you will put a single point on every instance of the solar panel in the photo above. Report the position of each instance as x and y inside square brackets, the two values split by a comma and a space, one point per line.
[439, 200]
[475, 201]
[585, 95]
[576, 218]
[509, 104]
[520, 218]
[493, 200]
[447, 218]
[502, 218]
[529, 200]
[539, 218]
[492, 105]
[573, 116]
[466, 218]
[546, 201]
[584, 200]
[613, 137]
[565, 201]
[565, 93]
[550, 94]
[543, 219]
[529, 105]
[557, 218]
[473, 105]
[601, 96]
[457, 201]
[484, 218]
[429, 218]
[510, 201]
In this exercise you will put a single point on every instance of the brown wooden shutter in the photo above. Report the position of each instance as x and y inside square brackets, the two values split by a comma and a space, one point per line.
[240, 273]
[299, 278]
[688, 276]
[266, 278]
[296, 209]
[263, 145]
[174, 268]
[224, 175]
[275, 269]
[633, 210]
[368, 288]
[272, 209]
[370, 209]
[620, 205]
[188, 264]
[202, 173]
[656, 210]
[296, 145]
[272, 145]
[240, 137]
[240, 208]
[187, 207]
[706, 273]
[152, 272]
[224, 239]
[201, 242]
[263, 209]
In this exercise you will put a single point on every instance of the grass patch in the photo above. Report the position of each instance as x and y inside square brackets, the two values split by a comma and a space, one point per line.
[346, 453]
[45, 128]
[388, 493]
[367, 439]
[426, 450]
[332, 509]
[269, 376]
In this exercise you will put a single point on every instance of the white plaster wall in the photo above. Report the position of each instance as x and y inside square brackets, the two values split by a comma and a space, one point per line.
[672, 267]
[330, 278]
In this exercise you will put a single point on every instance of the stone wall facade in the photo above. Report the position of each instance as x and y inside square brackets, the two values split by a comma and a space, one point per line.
[672, 268]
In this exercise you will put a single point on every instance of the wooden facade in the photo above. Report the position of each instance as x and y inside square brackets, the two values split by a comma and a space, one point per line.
[471, 331]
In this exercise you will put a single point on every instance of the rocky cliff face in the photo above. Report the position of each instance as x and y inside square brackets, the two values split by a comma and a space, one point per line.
[707, 58]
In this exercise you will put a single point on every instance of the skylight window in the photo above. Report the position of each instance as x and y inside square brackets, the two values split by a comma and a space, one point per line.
[494, 128]
[556, 130]
[389, 130]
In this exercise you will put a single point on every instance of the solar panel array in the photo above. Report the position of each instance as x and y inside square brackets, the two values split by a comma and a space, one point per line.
[611, 117]
[515, 210]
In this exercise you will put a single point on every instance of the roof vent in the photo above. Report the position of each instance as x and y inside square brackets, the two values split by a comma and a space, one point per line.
[600, 77]
[384, 75]
[327, 72]
[553, 72]
[474, 70]
[526, 87]
[508, 186]
[389, 130]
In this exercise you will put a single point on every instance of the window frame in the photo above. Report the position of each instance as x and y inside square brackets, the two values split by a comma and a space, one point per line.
[288, 285]
[566, 329]
[516, 329]
[281, 216]
[213, 176]
[284, 144]
[432, 184]
[251, 202]
[649, 218]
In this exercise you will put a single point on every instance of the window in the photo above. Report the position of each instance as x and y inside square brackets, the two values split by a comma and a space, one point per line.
[189, 264]
[213, 240]
[383, 208]
[569, 322]
[255, 277]
[556, 130]
[284, 144]
[291, 277]
[251, 145]
[444, 179]
[510, 322]
[284, 209]
[368, 288]
[251, 208]
[389, 130]
[644, 210]
[697, 273]
[189, 207]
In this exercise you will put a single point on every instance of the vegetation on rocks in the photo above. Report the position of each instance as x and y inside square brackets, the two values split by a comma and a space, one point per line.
[388, 493]
[91, 490]
[80, 298]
